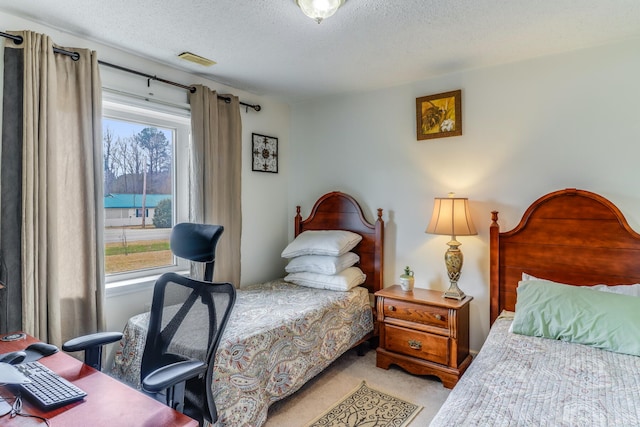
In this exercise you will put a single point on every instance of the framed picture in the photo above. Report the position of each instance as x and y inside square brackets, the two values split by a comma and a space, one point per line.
[265, 153]
[439, 115]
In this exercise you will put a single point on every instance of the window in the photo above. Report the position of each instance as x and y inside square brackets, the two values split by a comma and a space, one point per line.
[146, 214]
[145, 149]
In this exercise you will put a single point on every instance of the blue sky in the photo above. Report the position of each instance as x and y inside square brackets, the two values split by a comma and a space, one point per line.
[127, 129]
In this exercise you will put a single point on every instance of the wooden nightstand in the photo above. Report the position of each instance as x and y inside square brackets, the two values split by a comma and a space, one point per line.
[423, 333]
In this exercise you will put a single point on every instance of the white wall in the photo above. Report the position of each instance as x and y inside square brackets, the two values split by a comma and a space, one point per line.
[528, 128]
[266, 217]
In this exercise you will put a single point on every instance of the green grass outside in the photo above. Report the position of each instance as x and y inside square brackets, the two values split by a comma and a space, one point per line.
[136, 247]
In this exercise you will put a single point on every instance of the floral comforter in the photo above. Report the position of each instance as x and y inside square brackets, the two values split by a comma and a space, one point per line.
[278, 337]
[519, 380]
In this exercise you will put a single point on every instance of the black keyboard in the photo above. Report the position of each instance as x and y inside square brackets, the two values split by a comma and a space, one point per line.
[47, 389]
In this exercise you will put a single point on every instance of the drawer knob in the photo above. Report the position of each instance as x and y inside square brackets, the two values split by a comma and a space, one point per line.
[439, 316]
[416, 345]
[391, 308]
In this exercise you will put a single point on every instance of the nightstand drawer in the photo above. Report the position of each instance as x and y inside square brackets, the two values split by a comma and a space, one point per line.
[418, 313]
[434, 348]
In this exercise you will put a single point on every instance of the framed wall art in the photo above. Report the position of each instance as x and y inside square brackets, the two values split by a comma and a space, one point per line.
[439, 115]
[265, 153]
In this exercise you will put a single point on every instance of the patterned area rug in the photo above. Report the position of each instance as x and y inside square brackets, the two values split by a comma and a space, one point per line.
[366, 407]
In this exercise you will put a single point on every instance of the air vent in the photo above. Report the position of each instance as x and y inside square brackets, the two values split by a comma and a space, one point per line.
[188, 56]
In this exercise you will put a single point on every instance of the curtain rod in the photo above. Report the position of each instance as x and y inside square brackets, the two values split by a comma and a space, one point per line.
[191, 89]
[76, 56]
[18, 40]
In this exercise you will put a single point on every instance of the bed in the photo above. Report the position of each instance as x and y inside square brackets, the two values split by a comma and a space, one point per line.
[578, 243]
[281, 334]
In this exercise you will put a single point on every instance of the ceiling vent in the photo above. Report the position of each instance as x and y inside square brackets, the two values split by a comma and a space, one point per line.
[188, 56]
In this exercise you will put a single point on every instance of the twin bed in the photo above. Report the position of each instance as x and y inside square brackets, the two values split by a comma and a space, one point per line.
[573, 239]
[569, 245]
[280, 334]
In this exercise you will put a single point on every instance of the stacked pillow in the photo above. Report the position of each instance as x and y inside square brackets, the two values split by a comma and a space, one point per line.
[322, 259]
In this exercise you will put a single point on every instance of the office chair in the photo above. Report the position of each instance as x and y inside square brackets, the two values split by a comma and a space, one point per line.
[186, 322]
[187, 336]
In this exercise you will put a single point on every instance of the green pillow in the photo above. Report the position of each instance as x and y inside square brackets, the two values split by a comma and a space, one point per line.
[578, 314]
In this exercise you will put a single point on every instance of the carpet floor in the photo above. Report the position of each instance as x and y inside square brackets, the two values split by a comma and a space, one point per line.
[331, 385]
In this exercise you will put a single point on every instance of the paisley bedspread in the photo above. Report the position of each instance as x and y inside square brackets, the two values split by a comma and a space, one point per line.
[519, 380]
[278, 337]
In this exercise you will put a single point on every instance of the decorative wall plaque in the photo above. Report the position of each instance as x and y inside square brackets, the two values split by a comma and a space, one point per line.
[265, 153]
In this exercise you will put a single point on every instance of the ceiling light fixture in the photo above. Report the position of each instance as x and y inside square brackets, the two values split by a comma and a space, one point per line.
[319, 9]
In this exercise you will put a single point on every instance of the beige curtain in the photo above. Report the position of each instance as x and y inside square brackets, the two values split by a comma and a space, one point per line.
[62, 222]
[215, 174]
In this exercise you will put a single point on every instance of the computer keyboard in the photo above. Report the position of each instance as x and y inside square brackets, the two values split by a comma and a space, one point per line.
[47, 389]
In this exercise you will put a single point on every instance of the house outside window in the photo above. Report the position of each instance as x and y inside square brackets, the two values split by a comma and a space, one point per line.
[145, 151]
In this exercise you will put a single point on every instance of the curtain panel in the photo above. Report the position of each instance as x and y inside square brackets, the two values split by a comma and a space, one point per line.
[215, 174]
[10, 196]
[53, 152]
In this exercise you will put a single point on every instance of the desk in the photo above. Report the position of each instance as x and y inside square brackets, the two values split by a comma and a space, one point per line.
[108, 402]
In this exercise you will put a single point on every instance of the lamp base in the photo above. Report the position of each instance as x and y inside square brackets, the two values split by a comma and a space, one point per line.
[454, 292]
[453, 259]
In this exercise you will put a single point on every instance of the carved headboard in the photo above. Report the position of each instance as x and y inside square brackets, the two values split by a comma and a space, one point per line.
[568, 236]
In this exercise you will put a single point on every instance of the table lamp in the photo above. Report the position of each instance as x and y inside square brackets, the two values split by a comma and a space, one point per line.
[451, 217]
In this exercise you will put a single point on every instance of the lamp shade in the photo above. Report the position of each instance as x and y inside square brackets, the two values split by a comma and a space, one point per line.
[451, 216]
[319, 9]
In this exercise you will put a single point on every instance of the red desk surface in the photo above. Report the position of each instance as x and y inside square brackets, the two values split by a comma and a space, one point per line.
[108, 401]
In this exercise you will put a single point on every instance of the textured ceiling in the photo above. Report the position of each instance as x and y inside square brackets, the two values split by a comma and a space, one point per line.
[268, 47]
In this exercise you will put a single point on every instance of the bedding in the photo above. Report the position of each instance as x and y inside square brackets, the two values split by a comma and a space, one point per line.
[321, 264]
[342, 281]
[631, 290]
[519, 380]
[578, 314]
[322, 242]
[278, 337]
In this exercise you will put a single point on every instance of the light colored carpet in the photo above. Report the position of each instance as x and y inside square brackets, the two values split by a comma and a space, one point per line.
[346, 373]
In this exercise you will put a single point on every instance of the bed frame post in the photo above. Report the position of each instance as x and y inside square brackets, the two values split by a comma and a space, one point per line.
[494, 267]
[298, 219]
[379, 253]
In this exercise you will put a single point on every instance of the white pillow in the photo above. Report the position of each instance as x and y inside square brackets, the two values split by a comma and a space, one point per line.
[322, 242]
[343, 281]
[322, 264]
[630, 290]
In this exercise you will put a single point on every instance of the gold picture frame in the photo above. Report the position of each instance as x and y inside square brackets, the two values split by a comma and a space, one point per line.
[440, 115]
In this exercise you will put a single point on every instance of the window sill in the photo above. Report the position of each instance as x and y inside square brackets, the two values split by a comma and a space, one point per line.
[139, 284]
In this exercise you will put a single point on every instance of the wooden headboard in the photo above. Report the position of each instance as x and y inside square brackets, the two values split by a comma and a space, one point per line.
[568, 236]
[339, 211]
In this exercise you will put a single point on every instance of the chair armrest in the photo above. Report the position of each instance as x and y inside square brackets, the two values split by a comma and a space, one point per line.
[91, 340]
[170, 375]
[92, 346]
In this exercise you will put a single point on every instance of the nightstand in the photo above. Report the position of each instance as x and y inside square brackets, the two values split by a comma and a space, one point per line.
[423, 333]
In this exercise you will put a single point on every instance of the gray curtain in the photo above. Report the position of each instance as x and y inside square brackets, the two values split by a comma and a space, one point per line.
[10, 194]
[57, 176]
[215, 174]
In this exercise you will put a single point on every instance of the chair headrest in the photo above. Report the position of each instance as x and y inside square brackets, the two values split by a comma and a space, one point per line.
[195, 242]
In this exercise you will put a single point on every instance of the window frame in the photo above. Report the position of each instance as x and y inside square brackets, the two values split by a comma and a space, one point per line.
[118, 106]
